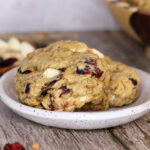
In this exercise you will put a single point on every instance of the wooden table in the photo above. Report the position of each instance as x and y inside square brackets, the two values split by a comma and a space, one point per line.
[135, 135]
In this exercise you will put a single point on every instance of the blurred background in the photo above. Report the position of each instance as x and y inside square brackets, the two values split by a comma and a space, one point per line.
[55, 15]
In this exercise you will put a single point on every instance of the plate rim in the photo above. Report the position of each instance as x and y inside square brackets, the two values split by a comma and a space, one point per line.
[88, 116]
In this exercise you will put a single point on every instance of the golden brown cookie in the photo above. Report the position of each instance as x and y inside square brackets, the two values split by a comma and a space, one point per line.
[63, 76]
[123, 87]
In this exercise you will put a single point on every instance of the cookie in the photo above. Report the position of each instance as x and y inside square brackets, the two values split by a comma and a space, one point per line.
[63, 76]
[123, 87]
[101, 103]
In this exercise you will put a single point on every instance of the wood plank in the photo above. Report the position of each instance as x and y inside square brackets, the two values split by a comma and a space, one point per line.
[132, 137]
[15, 128]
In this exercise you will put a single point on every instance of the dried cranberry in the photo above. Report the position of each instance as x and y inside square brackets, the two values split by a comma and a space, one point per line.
[14, 146]
[27, 90]
[74, 103]
[97, 72]
[86, 70]
[134, 82]
[44, 93]
[62, 69]
[7, 146]
[64, 106]
[51, 97]
[7, 62]
[91, 61]
[64, 89]
[24, 72]
[48, 86]
[79, 71]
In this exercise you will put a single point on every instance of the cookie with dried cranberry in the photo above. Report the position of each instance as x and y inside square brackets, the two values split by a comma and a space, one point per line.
[123, 87]
[63, 76]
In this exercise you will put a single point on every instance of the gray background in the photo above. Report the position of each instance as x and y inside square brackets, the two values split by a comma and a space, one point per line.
[54, 15]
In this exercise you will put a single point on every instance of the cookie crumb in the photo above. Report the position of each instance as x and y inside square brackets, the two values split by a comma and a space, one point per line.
[35, 146]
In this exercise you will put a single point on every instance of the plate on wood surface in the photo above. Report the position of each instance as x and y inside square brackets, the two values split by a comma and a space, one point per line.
[77, 120]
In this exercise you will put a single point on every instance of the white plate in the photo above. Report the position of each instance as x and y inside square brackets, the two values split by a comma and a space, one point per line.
[77, 120]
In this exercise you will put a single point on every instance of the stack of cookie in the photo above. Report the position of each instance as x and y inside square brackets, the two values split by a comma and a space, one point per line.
[69, 76]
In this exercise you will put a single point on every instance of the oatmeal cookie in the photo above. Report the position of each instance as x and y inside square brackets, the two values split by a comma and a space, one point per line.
[124, 84]
[63, 76]
[123, 87]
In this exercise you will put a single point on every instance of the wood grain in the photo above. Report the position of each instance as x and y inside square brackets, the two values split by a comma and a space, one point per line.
[135, 135]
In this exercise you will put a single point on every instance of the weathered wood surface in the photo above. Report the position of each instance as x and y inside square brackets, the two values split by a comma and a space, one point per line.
[132, 136]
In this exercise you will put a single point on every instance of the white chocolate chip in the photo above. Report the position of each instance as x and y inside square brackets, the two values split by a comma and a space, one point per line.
[82, 50]
[79, 50]
[3, 44]
[50, 73]
[112, 98]
[95, 51]
[73, 50]
[26, 48]
[14, 44]
[83, 98]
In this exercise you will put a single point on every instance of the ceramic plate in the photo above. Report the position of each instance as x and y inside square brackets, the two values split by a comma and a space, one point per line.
[77, 120]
